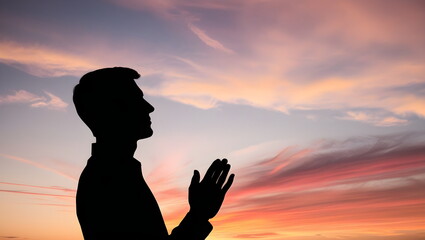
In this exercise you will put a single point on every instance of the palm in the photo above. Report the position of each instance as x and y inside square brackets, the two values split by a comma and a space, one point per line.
[206, 197]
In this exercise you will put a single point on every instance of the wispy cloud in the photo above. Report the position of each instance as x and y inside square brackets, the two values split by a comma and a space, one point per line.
[352, 161]
[290, 57]
[43, 61]
[374, 118]
[54, 102]
[329, 187]
[208, 40]
[333, 186]
[38, 165]
[21, 96]
[52, 196]
[287, 56]
[36, 193]
[56, 188]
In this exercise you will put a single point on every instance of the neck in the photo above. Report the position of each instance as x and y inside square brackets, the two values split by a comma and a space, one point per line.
[117, 148]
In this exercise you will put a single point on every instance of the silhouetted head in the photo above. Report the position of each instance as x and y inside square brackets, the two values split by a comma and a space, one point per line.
[112, 105]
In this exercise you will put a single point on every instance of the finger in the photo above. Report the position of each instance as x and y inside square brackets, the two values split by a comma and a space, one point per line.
[212, 169]
[228, 184]
[219, 170]
[223, 175]
[195, 178]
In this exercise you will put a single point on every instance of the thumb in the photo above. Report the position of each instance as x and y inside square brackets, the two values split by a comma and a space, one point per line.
[195, 179]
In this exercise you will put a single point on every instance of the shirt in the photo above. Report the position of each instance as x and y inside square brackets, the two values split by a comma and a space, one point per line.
[114, 202]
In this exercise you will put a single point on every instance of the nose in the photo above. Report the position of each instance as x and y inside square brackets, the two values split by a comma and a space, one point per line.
[149, 108]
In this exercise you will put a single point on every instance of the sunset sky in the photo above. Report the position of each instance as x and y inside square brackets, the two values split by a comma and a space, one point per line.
[318, 105]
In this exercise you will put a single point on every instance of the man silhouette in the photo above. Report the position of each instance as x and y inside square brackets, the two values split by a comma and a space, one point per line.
[113, 199]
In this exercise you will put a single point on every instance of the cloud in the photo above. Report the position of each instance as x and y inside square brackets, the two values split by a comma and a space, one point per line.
[375, 119]
[173, 10]
[207, 39]
[330, 186]
[38, 165]
[43, 61]
[286, 56]
[52, 102]
[352, 161]
[56, 188]
[53, 189]
[292, 57]
[21, 96]
[36, 193]
[53, 196]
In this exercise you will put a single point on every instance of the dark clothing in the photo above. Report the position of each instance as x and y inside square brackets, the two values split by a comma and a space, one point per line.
[114, 202]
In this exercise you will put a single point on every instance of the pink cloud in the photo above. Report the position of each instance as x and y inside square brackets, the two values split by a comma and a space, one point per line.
[375, 119]
[21, 96]
[36, 193]
[286, 56]
[293, 57]
[207, 39]
[43, 61]
[52, 102]
[348, 186]
[319, 167]
[41, 187]
[52, 191]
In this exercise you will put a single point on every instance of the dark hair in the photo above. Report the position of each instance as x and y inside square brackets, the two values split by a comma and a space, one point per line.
[98, 88]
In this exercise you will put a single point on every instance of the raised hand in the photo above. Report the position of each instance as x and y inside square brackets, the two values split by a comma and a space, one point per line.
[206, 197]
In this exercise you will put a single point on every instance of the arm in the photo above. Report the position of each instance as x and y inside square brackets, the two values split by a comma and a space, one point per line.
[205, 199]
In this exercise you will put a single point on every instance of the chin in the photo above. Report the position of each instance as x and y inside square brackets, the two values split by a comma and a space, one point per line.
[145, 134]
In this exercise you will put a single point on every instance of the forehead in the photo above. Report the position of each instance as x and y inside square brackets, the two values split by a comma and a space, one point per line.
[135, 89]
[131, 91]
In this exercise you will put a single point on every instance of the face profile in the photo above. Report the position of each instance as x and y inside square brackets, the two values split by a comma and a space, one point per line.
[112, 105]
[134, 117]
